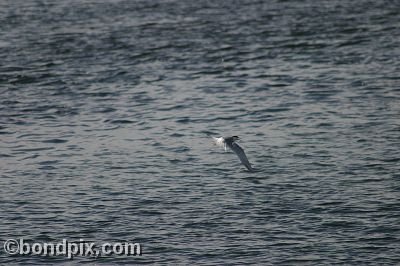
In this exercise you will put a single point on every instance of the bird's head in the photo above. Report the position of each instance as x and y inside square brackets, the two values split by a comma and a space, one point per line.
[235, 138]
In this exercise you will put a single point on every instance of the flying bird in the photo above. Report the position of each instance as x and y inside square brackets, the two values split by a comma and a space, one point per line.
[230, 142]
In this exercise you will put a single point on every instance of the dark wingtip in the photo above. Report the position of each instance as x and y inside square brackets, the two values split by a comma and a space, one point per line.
[251, 169]
[248, 166]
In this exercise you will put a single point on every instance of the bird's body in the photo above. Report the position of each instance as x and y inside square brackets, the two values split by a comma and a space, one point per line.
[230, 142]
[220, 142]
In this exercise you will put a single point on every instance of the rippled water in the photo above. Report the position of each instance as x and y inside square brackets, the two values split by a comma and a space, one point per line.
[106, 108]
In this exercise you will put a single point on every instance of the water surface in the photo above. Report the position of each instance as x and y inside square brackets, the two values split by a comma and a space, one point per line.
[106, 108]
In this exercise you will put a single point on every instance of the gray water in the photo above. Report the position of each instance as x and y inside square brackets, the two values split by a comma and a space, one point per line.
[107, 108]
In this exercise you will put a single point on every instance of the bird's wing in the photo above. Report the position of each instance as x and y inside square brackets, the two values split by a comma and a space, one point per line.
[242, 156]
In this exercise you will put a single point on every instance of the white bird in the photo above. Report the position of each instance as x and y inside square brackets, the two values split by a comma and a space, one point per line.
[230, 142]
